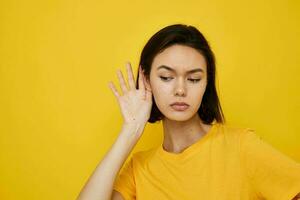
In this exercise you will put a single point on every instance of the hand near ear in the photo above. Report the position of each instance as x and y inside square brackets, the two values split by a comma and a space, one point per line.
[135, 104]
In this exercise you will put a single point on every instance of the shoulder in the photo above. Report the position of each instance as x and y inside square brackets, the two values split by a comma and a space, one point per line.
[236, 135]
[144, 155]
[235, 131]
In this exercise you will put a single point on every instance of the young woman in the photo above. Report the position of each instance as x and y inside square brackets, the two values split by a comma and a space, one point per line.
[201, 157]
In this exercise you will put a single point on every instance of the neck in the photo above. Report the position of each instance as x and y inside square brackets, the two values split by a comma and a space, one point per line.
[179, 135]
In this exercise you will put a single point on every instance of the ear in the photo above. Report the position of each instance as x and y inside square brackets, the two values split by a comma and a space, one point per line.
[147, 85]
[147, 82]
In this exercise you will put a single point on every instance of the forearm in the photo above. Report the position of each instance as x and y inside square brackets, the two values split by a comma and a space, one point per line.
[100, 184]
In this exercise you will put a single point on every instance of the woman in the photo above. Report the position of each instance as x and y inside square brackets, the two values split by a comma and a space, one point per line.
[201, 157]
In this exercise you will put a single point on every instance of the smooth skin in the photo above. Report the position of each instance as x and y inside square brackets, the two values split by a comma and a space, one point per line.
[135, 105]
[177, 84]
[181, 129]
[128, 104]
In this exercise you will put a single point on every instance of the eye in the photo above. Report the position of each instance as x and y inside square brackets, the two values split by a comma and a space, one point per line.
[168, 78]
[194, 80]
[165, 78]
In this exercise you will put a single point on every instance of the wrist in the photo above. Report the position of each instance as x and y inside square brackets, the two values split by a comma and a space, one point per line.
[133, 129]
[134, 124]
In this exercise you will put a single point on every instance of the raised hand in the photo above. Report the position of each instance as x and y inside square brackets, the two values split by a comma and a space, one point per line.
[135, 104]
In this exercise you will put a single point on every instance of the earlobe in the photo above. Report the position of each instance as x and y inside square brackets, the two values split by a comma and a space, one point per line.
[148, 86]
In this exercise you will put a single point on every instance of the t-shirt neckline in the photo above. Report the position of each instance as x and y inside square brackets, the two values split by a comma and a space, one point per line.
[162, 152]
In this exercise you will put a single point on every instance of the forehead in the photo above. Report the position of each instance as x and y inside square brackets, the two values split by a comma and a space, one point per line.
[180, 58]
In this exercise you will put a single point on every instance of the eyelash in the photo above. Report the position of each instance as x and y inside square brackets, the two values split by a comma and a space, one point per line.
[192, 80]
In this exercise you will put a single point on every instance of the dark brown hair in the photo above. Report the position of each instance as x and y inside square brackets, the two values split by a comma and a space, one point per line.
[210, 108]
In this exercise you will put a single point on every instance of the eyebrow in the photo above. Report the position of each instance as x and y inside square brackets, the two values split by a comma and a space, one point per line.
[173, 70]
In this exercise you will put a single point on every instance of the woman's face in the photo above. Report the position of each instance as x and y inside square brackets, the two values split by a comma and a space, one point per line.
[171, 81]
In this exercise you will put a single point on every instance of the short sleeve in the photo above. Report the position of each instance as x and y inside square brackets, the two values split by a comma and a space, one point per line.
[272, 174]
[125, 183]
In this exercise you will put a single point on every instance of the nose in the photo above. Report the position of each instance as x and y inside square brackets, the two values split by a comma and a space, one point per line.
[180, 89]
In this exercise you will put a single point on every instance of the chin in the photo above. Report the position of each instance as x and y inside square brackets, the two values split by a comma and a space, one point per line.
[178, 116]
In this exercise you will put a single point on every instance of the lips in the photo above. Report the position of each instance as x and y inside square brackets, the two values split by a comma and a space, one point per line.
[179, 106]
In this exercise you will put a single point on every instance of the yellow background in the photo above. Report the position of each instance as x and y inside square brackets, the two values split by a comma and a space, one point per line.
[58, 116]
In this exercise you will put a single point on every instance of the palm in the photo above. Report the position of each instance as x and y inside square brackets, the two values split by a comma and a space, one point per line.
[134, 107]
[135, 104]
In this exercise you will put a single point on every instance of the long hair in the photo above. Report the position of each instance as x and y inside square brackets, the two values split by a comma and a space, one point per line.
[210, 108]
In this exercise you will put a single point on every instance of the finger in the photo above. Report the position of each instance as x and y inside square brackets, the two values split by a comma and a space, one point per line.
[130, 75]
[122, 81]
[113, 89]
[141, 82]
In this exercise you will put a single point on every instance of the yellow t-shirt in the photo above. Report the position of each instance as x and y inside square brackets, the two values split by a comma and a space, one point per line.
[226, 163]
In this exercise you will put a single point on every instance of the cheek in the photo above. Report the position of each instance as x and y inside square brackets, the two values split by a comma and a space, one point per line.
[197, 94]
[200, 89]
[160, 92]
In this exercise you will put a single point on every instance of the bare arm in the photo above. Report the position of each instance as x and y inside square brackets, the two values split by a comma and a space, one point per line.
[100, 184]
[135, 104]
